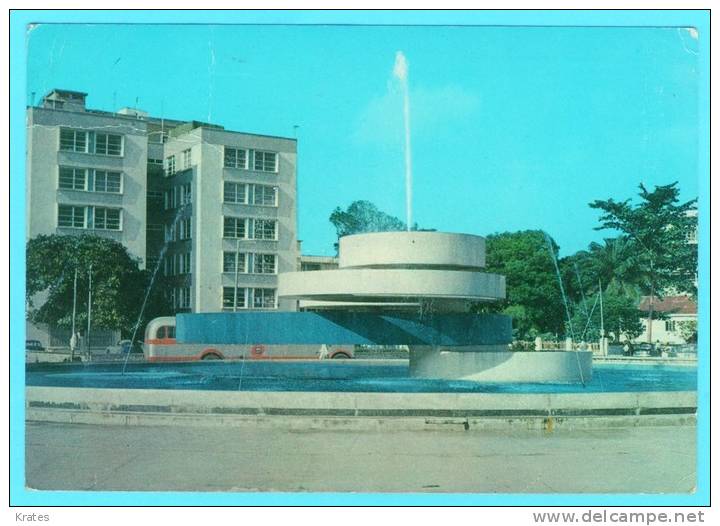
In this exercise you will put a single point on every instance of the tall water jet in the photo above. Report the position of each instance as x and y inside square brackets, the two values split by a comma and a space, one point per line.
[159, 262]
[401, 72]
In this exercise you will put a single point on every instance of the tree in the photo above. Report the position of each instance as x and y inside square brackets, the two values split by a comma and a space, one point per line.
[688, 330]
[118, 284]
[657, 229]
[533, 294]
[363, 216]
[620, 316]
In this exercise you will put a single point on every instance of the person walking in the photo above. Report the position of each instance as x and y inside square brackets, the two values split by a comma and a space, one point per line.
[73, 345]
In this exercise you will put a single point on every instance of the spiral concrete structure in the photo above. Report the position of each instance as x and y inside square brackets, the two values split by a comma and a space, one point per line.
[401, 268]
[432, 274]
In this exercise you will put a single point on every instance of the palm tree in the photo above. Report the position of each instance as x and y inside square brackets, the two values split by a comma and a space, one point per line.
[615, 263]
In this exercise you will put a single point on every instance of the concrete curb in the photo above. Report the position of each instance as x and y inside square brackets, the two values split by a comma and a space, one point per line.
[309, 410]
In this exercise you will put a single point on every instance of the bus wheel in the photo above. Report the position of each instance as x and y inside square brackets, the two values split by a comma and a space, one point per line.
[340, 356]
[211, 356]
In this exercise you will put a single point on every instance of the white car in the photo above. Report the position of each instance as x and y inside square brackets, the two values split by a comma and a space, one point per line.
[120, 347]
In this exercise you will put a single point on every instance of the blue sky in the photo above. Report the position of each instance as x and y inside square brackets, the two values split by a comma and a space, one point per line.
[512, 128]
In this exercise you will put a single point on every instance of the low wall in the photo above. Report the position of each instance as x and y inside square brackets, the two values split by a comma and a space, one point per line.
[357, 410]
[503, 366]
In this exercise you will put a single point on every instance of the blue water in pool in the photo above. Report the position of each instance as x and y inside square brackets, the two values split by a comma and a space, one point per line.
[340, 376]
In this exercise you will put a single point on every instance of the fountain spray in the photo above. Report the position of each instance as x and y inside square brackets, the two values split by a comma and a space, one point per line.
[401, 72]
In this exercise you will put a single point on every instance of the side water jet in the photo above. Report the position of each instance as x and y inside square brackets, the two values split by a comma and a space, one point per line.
[564, 298]
[401, 72]
[161, 257]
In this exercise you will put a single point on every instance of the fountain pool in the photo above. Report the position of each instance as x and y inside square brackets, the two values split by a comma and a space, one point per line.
[356, 376]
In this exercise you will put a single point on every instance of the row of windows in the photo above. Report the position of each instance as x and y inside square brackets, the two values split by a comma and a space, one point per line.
[247, 228]
[180, 298]
[243, 298]
[91, 217]
[171, 166]
[256, 194]
[91, 142]
[181, 230]
[178, 264]
[259, 160]
[246, 262]
[178, 196]
[87, 179]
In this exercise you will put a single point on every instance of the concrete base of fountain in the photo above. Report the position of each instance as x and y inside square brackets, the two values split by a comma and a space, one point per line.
[497, 364]
[435, 278]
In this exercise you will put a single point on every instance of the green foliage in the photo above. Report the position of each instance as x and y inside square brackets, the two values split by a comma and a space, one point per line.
[363, 216]
[688, 330]
[620, 317]
[613, 264]
[118, 284]
[533, 294]
[655, 235]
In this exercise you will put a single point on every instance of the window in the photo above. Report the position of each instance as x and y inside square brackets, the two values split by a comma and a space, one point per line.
[234, 298]
[235, 227]
[171, 200]
[154, 194]
[183, 264]
[155, 161]
[265, 229]
[169, 232]
[72, 178]
[185, 194]
[71, 216]
[264, 298]
[236, 158]
[107, 181]
[186, 159]
[106, 219]
[170, 265]
[73, 140]
[107, 144]
[264, 263]
[265, 161]
[186, 228]
[670, 325]
[170, 166]
[235, 193]
[265, 195]
[183, 295]
[231, 259]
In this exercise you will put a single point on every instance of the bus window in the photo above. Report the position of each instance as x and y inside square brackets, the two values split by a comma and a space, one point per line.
[160, 334]
[170, 332]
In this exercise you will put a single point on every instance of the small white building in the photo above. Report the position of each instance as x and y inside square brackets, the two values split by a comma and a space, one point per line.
[676, 310]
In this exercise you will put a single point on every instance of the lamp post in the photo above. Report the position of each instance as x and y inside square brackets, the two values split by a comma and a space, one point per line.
[87, 345]
[237, 275]
[73, 339]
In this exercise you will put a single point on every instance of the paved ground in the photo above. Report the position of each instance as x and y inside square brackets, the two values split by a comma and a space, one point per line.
[103, 457]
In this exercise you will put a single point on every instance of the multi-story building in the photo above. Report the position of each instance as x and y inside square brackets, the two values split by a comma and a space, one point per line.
[86, 172]
[219, 206]
[229, 216]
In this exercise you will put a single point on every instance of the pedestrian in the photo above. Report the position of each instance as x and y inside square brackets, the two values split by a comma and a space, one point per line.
[73, 345]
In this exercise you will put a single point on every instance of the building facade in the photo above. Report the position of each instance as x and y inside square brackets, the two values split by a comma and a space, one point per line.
[214, 210]
[86, 172]
[678, 319]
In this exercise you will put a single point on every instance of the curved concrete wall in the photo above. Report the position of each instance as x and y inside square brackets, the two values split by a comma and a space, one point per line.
[390, 284]
[504, 366]
[415, 249]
